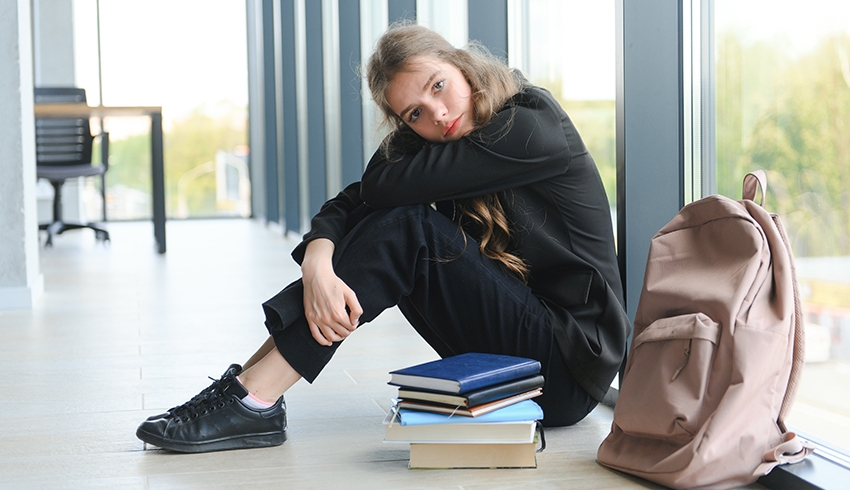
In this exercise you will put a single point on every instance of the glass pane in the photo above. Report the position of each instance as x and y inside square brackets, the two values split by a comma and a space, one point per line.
[571, 52]
[783, 104]
[190, 58]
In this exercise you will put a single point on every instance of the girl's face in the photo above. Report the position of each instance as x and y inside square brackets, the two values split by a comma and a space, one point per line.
[433, 98]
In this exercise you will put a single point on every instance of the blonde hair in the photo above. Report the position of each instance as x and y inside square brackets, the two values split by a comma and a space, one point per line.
[492, 84]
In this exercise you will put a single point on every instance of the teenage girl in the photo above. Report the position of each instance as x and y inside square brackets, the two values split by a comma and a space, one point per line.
[482, 216]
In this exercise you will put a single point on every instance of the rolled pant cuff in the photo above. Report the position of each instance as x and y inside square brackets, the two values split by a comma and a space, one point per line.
[298, 347]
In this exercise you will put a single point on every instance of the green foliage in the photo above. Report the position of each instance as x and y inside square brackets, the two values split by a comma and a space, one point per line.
[189, 145]
[790, 117]
[192, 142]
[130, 162]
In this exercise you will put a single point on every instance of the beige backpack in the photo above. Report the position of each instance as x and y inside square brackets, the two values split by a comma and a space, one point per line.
[717, 350]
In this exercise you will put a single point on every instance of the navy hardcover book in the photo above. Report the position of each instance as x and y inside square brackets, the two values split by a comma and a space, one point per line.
[465, 372]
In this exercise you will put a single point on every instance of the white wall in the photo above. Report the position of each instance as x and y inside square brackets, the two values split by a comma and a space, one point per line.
[54, 66]
[21, 282]
[53, 43]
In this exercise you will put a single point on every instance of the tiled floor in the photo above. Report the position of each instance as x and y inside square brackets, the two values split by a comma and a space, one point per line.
[122, 333]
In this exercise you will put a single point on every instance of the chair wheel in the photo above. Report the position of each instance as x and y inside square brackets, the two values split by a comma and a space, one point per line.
[101, 236]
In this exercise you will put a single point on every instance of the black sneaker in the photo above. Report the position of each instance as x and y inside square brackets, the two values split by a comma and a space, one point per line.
[215, 420]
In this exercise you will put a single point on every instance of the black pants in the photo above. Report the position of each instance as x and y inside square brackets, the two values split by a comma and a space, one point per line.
[457, 300]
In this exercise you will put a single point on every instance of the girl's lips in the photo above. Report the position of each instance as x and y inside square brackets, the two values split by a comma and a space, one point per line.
[452, 127]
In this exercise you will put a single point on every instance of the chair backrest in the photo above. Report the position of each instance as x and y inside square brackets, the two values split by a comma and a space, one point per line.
[62, 141]
[60, 95]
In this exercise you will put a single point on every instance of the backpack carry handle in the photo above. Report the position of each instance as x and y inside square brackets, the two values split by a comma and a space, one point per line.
[752, 182]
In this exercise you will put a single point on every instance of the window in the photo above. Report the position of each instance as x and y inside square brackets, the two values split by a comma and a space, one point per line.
[190, 57]
[783, 104]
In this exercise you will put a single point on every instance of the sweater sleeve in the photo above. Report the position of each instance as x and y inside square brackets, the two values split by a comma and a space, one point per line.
[519, 146]
[334, 219]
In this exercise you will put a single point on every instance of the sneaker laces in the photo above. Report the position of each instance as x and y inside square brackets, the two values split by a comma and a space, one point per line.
[208, 400]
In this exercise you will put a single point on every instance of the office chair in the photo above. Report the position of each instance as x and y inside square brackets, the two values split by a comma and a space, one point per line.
[64, 151]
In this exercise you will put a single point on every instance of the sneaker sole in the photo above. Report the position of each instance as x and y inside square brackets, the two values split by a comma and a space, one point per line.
[238, 442]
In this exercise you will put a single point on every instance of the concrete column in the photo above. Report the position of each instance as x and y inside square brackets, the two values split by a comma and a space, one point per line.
[21, 282]
[650, 149]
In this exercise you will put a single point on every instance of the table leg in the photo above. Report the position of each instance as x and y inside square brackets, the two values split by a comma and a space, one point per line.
[158, 182]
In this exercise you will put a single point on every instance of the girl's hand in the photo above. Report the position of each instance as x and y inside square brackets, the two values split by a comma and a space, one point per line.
[330, 306]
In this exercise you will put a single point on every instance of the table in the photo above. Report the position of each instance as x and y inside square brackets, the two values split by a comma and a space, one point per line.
[157, 166]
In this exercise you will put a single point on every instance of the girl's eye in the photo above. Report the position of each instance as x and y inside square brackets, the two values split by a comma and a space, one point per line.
[439, 85]
[414, 115]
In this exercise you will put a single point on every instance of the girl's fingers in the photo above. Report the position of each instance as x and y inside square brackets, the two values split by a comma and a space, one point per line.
[326, 334]
[354, 308]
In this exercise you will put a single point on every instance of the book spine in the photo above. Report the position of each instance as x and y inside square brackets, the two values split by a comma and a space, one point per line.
[472, 456]
[486, 395]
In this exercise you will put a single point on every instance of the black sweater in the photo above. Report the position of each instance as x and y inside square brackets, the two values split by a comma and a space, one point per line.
[532, 156]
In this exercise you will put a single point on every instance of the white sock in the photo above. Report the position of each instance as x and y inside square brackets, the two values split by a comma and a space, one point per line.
[252, 401]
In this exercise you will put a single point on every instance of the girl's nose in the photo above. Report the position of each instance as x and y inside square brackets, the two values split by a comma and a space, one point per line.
[440, 113]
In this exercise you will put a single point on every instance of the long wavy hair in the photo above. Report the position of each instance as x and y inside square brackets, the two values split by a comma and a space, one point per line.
[492, 84]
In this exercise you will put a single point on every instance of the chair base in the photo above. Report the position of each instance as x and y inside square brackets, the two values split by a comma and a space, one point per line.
[59, 227]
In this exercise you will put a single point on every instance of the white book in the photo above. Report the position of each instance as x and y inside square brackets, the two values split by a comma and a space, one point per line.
[460, 433]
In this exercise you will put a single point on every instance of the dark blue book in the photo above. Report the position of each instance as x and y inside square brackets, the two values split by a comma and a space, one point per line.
[465, 372]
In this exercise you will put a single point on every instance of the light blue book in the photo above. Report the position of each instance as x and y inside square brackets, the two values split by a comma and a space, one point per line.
[518, 412]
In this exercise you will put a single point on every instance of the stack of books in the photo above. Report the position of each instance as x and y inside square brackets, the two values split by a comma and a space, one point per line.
[468, 411]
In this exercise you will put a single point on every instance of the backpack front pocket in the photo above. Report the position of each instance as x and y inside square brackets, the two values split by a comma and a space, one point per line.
[663, 391]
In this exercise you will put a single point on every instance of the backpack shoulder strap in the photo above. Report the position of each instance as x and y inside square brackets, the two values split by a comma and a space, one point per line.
[792, 448]
[754, 181]
[799, 336]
